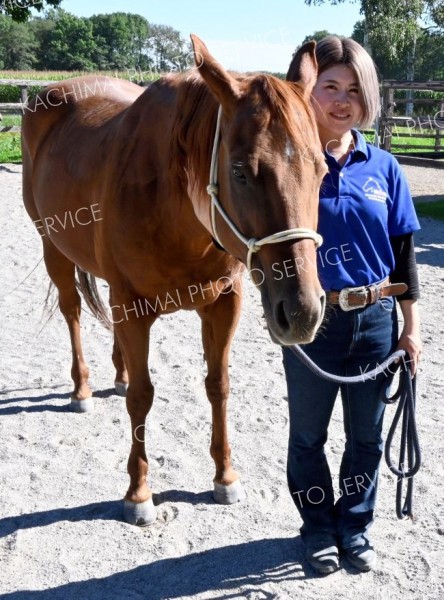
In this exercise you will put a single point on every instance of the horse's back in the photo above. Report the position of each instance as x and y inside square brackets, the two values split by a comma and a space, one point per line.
[86, 103]
[67, 131]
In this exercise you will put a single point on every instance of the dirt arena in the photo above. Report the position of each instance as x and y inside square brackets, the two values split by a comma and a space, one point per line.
[62, 475]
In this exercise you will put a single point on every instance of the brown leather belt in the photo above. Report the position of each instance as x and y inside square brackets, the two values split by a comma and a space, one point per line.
[358, 297]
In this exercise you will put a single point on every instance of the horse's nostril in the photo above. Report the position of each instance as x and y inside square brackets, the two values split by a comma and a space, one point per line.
[281, 317]
[301, 319]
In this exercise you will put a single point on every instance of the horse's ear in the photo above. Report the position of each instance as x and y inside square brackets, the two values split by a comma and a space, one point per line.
[303, 68]
[223, 85]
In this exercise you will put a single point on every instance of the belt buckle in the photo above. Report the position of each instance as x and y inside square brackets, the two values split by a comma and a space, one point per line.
[343, 297]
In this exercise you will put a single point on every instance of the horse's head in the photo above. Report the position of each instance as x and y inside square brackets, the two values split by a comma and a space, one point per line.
[269, 170]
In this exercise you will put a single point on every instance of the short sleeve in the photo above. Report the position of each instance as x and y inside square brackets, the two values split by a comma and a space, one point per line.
[402, 217]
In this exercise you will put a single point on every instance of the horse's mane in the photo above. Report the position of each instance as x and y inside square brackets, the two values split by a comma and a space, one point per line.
[194, 128]
[193, 132]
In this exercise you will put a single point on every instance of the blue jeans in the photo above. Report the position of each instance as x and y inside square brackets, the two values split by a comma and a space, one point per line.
[349, 343]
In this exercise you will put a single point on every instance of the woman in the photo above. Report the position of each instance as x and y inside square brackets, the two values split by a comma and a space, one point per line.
[367, 220]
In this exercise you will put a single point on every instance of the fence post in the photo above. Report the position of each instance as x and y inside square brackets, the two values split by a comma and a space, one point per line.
[385, 132]
[23, 93]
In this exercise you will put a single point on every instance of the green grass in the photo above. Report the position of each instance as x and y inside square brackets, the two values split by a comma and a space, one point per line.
[10, 151]
[435, 210]
[8, 120]
[406, 136]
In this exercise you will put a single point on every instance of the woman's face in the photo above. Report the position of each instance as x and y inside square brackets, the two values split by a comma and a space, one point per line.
[337, 101]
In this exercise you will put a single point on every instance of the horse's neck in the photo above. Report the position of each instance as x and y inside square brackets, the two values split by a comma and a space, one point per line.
[165, 143]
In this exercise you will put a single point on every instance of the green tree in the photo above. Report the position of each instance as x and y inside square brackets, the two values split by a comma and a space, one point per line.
[435, 12]
[122, 41]
[388, 67]
[317, 36]
[70, 43]
[20, 10]
[430, 56]
[42, 29]
[17, 45]
[168, 49]
[429, 63]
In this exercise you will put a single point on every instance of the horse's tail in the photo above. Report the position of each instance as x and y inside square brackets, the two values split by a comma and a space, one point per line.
[49, 305]
[86, 283]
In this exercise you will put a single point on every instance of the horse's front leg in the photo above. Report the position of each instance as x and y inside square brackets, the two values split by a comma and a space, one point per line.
[133, 339]
[219, 322]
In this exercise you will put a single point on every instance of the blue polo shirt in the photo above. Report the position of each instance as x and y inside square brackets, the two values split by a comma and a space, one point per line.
[362, 204]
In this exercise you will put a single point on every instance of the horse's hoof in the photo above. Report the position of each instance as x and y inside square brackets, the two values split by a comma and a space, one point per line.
[121, 388]
[229, 494]
[139, 513]
[82, 406]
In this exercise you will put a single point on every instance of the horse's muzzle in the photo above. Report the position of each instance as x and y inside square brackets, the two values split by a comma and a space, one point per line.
[296, 321]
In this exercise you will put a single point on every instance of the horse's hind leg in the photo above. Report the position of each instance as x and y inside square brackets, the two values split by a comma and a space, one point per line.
[62, 272]
[219, 322]
[121, 380]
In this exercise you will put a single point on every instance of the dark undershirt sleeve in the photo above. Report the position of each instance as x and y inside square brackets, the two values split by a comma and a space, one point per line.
[405, 270]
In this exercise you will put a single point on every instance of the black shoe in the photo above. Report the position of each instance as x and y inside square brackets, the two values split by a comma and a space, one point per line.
[323, 558]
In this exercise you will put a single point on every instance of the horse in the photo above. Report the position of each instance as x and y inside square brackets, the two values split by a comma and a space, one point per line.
[167, 194]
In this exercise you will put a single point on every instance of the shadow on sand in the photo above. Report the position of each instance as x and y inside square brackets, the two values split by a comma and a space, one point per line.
[39, 403]
[429, 243]
[223, 570]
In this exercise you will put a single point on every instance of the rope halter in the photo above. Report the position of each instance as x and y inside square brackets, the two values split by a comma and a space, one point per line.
[253, 244]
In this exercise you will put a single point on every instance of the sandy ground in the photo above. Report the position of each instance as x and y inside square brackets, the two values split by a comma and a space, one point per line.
[62, 475]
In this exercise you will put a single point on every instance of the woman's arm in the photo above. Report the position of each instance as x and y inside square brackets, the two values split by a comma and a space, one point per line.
[410, 339]
[406, 271]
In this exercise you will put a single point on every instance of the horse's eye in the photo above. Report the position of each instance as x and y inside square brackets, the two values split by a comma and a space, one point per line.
[238, 174]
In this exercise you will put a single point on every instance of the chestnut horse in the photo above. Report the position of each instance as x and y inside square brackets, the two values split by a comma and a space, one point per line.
[115, 178]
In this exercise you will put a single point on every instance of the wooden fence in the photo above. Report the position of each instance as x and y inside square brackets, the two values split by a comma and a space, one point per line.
[433, 123]
[385, 133]
[17, 107]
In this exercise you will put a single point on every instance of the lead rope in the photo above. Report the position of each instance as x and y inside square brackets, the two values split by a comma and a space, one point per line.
[253, 244]
[410, 451]
[406, 394]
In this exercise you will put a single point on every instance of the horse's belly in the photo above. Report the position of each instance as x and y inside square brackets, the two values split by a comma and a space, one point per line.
[68, 219]
[151, 294]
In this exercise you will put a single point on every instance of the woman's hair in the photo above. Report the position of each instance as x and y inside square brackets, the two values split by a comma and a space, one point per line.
[332, 51]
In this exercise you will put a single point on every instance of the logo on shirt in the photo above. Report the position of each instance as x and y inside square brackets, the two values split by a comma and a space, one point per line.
[373, 190]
